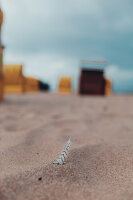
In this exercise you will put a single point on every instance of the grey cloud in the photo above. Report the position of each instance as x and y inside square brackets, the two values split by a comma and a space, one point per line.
[70, 30]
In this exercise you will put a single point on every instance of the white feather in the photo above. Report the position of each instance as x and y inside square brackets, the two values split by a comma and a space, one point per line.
[64, 153]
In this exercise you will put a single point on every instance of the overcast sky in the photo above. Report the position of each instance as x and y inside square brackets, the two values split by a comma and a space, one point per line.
[51, 36]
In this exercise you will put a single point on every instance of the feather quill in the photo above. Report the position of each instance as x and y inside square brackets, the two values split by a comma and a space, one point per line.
[64, 153]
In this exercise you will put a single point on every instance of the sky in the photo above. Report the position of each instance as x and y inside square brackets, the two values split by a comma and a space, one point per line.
[50, 37]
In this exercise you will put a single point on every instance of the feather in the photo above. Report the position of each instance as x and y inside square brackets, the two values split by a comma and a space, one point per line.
[64, 153]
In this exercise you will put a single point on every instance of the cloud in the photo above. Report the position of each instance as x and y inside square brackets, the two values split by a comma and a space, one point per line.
[116, 72]
[53, 23]
[122, 79]
[50, 37]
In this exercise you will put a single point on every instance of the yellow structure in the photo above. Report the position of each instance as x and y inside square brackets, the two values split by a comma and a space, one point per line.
[1, 17]
[14, 81]
[65, 85]
[31, 84]
[108, 86]
[1, 59]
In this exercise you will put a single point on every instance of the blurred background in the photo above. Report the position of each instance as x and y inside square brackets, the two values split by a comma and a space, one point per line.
[51, 37]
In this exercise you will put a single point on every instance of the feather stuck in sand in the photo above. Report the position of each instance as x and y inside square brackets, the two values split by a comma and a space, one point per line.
[64, 154]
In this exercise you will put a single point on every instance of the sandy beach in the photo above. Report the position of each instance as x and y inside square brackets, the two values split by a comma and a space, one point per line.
[35, 127]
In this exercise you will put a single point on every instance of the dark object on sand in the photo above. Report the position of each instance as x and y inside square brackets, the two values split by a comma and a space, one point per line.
[92, 82]
[44, 86]
[40, 178]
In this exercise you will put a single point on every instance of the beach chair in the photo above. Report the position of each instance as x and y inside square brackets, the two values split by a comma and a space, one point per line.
[14, 80]
[1, 17]
[108, 86]
[91, 82]
[65, 85]
[31, 84]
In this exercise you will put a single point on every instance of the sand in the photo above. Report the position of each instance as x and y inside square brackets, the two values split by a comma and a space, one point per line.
[35, 127]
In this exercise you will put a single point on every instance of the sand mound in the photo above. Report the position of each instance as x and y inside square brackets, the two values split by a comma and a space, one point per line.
[92, 171]
[34, 129]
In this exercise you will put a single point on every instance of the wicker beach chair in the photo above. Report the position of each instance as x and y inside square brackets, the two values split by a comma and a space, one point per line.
[91, 82]
[108, 86]
[65, 85]
[14, 81]
[31, 84]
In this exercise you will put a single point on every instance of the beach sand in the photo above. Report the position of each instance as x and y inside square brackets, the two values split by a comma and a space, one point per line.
[35, 127]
